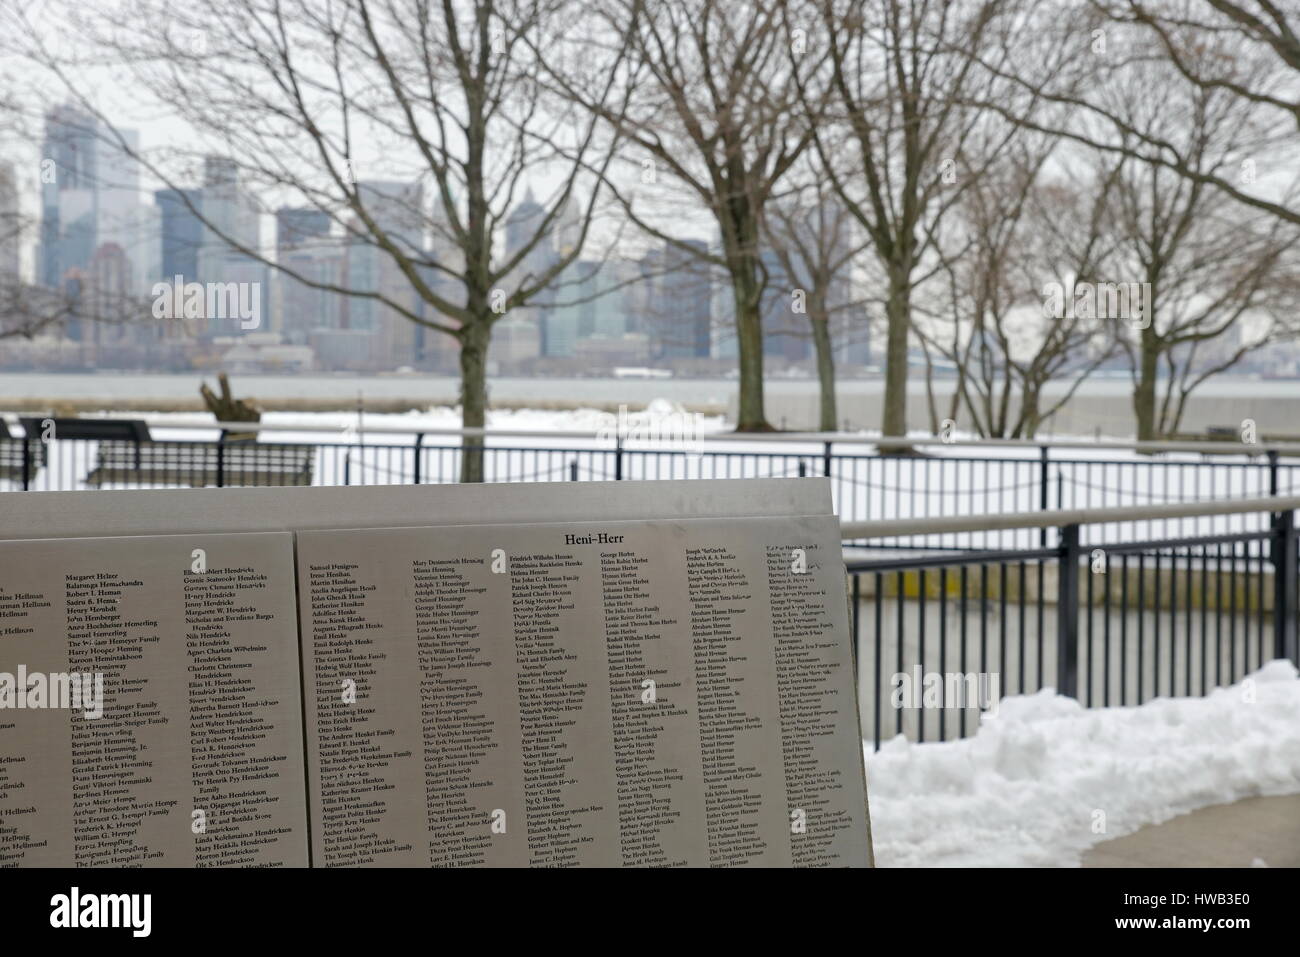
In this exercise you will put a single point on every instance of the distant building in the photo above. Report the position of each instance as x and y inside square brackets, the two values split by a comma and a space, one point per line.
[382, 337]
[296, 227]
[828, 233]
[232, 218]
[526, 237]
[608, 352]
[304, 308]
[687, 295]
[674, 303]
[11, 228]
[181, 232]
[90, 197]
[514, 341]
[69, 203]
[305, 247]
[260, 352]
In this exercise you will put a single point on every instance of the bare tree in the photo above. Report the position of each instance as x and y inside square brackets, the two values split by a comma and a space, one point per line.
[1210, 263]
[1022, 225]
[1216, 271]
[1191, 223]
[903, 76]
[1244, 52]
[713, 107]
[443, 97]
[816, 240]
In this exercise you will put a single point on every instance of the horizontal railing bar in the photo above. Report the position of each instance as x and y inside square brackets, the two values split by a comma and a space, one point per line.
[957, 557]
[943, 559]
[894, 527]
[1161, 543]
[884, 443]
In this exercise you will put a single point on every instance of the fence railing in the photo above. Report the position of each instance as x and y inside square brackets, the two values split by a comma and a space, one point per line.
[1141, 569]
[940, 637]
[872, 478]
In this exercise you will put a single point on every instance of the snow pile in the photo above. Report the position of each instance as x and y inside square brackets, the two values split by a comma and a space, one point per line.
[1029, 788]
[653, 415]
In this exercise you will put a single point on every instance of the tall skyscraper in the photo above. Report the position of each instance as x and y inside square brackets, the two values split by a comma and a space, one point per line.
[688, 300]
[231, 214]
[522, 227]
[555, 333]
[380, 336]
[182, 232]
[90, 197]
[304, 246]
[824, 235]
[232, 217]
[676, 304]
[785, 333]
[69, 162]
[122, 219]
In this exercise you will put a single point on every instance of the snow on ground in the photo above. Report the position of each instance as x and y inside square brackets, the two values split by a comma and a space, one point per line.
[1026, 789]
[442, 417]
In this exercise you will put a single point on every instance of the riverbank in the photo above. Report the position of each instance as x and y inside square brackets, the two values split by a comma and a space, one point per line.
[74, 393]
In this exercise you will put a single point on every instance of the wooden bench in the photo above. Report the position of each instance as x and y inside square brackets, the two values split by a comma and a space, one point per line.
[202, 464]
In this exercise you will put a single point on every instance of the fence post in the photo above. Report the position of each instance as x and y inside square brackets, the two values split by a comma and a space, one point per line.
[419, 441]
[27, 461]
[826, 459]
[1042, 492]
[1284, 587]
[1272, 471]
[618, 459]
[573, 470]
[221, 460]
[1067, 613]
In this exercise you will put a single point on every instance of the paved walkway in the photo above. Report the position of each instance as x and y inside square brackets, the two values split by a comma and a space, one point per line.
[1225, 835]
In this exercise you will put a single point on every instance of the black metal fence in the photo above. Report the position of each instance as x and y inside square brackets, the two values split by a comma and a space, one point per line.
[1109, 613]
[868, 484]
[940, 637]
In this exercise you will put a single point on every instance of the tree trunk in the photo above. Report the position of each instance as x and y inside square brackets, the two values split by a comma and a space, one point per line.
[1029, 414]
[750, 416]
[898, 326]
[1144, 390]
[474, 339]
[821, 335]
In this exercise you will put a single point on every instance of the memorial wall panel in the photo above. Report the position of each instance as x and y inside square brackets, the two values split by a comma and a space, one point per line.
[668, 693]
[152, 702]
[613, 686]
